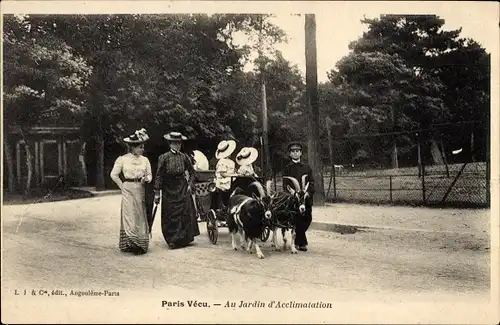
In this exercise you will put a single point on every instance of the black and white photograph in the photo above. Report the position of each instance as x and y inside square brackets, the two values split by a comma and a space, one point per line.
[250, 162]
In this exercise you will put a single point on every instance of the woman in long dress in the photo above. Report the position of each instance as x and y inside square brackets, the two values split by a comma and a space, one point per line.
[175, 179]
[136, 169]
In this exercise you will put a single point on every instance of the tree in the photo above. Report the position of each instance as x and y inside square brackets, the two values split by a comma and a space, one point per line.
[159, 71]
[380, 94]
[313, 107]
[466, 74]
[44, 82]
[262, 36]
[286, 106]
[461, 65]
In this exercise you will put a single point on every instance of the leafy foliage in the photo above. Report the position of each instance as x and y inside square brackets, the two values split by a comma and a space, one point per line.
[113, 74]
[45, 81]
[405, 73]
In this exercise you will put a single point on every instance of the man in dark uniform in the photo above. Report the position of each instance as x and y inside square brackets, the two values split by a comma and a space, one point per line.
[297, 169]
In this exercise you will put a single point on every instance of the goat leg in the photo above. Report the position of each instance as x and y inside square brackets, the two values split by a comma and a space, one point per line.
[249, 246]
[273, 241]
[285, 240]
[276, 245]
[233, 241]
[242, 239]
[294, 235]
[257, 249]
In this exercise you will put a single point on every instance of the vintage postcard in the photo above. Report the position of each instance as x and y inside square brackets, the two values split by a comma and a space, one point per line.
[229, 162]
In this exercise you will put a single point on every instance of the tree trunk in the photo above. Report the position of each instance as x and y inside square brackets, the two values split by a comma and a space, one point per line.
[29, 165]
[313, 107]
[419, 157]
[437, 156]
[328, 122]
[10, 162]
[267, 158]
[443, 153]
[29, 159]
[266, 167]
[472, 158]
[100, 184]
[83, 179]
[394, 155]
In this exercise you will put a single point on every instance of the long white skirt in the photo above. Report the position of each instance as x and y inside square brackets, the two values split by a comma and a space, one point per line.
[134, 230]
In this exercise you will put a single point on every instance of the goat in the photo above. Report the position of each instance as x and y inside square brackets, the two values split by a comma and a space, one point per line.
[285, 211]
[290, 211]
[248, 217]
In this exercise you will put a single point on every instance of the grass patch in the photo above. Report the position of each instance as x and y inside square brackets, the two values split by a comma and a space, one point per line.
[403, 186]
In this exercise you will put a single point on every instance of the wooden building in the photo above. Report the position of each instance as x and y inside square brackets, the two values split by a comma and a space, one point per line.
[56, 152]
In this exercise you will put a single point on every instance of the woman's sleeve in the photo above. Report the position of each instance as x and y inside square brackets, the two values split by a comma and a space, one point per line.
[231, 167]
[190, 169]
[149, 173]
[159, 173]
[115, 172]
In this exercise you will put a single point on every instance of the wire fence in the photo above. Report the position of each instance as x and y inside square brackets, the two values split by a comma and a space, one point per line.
[459, 185]
[463, 184]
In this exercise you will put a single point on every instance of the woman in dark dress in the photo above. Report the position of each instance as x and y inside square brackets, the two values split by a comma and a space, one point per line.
[175, 179]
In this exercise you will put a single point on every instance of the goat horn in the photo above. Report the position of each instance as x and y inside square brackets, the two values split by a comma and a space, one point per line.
[294, 181]
[304, 181]
[260, 188]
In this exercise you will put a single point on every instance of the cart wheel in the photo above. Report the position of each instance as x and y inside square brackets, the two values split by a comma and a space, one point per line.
[212, 229]
[265, 234]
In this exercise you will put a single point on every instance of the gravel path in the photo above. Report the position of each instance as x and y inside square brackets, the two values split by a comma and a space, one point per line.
[73, 246]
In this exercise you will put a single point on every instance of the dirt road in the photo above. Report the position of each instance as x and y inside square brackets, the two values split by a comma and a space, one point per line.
[72, 245]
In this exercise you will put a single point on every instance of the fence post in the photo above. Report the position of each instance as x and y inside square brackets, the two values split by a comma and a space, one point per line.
[453, 183]
[423, 182]
[334, 183]
[390, 187]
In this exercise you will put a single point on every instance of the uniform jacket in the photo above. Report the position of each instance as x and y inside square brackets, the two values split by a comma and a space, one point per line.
[297, 170]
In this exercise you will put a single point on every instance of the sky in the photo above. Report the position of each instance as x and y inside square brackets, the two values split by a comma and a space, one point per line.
[335, 29]
[337, 22]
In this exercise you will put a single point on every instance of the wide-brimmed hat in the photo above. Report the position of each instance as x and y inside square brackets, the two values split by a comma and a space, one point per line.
[139, 136]
[247, 156]
[175, 136]
[225, 148]
[294, 145]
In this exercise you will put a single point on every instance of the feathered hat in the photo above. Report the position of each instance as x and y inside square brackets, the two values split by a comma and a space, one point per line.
[139, 136]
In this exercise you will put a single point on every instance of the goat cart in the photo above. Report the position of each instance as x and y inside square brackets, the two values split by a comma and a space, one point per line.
[217, 216]
[204, 186]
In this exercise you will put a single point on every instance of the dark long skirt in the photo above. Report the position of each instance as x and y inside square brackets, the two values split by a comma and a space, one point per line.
[178, 215]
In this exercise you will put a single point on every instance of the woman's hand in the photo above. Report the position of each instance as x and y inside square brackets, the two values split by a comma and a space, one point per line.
[145, 179]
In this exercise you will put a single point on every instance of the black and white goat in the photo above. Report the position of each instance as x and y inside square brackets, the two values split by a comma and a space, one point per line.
[248, 216]
[289, 208]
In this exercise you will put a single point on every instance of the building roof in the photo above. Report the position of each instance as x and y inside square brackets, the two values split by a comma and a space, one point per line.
[47, 130]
